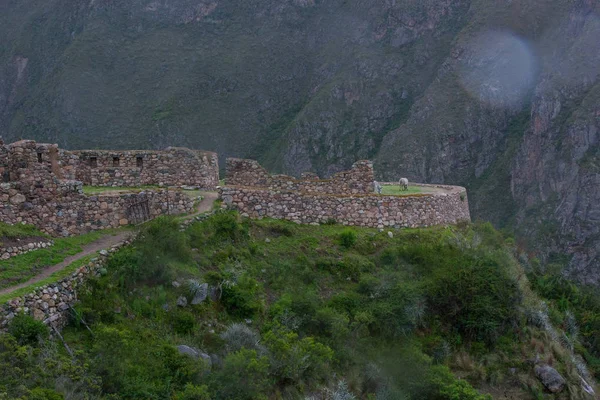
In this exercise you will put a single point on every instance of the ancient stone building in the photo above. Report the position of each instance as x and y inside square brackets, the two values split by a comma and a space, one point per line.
[175, 166]
[347, 198]
[39, 189]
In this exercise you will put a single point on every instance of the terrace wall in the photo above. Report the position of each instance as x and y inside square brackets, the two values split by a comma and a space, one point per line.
[365, 210]
[347, 198]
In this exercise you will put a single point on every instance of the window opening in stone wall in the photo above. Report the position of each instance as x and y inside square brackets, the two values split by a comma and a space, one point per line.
[139, 161]
[116, 161]
[40, 159]
[93, 162]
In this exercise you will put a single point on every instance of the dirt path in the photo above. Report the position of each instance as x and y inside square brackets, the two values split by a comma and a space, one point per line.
[104, 242]
[206, 204]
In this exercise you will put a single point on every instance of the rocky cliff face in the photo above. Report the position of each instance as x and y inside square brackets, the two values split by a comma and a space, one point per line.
[498, 96]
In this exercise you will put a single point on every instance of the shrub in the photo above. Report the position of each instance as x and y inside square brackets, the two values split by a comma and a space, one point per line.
[295, 360]
[193, 392]
[347, 238]
[44, 394]
[159, 244]
[282, 228]
[226, 226]
[477, 298]
[27, 330]
[242, 299]
[240, 336]
[450, 388]
[331, 323]
[182, 322]
[245, 376]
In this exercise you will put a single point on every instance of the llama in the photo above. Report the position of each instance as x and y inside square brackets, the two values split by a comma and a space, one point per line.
[403, 183]
[378, 187]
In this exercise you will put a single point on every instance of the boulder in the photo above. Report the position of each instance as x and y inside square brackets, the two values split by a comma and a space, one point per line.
[201, 294]
[194, 353]
[182, 301]
[550, 378]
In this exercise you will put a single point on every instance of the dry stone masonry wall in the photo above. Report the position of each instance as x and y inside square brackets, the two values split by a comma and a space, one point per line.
[174, 166]
[38, 192]
[9, 251]
[52, 303]
[358, 180]
[257, 196]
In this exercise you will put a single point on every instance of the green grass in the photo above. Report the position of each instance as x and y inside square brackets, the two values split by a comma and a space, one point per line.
[108, 189]
[193, 193]
[22, 268]
[395, 190]
[55, 277]
[18, 231]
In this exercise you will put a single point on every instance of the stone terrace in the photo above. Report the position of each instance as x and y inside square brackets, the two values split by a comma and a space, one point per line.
[347, 198]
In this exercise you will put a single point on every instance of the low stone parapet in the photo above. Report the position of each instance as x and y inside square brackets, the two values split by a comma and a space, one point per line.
[7, 252]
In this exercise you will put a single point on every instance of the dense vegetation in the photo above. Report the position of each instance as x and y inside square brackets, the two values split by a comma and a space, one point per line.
[323, 312]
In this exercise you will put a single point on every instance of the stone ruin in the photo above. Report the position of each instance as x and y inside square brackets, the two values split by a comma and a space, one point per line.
[357, 180]
[347, 198]
[174, 166]
[41, 186]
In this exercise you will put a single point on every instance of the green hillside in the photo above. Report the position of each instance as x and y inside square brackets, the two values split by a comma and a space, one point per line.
[298, 312]
[496, 97]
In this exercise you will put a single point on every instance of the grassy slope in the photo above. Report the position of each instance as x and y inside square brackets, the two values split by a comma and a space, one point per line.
[383, 314]
[23, 267]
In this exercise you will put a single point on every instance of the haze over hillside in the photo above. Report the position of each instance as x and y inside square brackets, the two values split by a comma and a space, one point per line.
[501, 97]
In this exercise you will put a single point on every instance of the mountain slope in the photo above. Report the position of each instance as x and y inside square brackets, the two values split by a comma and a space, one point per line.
[498, 96]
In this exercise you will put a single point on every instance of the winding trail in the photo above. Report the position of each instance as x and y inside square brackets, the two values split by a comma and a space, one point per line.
[102, 243]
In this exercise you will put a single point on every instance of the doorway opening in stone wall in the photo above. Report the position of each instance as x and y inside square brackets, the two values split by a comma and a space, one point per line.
[138, 210]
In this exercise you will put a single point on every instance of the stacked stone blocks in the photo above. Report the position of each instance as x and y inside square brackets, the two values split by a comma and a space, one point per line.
[347, 198]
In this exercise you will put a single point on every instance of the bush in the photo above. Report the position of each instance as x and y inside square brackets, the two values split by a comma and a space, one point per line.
[347, 238]
[239, 336]
[159, 244]
[182, 322]
[331, 323]
[245, 376]
[242, 299]
[478, 299]
[44, 394]
[295, 360]
[193, 392]
[27, 330]
[226, 226]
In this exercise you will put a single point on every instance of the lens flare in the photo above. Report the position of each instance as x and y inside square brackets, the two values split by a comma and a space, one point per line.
[498, 68]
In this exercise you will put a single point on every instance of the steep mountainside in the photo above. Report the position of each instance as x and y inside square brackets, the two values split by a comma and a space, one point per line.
[499, 96]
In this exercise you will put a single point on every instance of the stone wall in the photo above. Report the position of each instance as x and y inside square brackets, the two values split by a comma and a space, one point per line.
[24, 246]
[174, 166]
[348, 198]
[70, 212]
[40, 191]
[370, 210]
[357, 180]
[52, 303]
